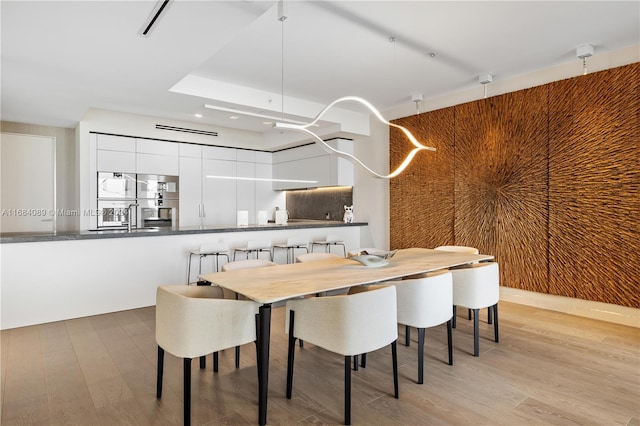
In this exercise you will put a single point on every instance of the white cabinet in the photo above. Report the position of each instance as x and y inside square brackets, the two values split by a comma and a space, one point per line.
[310, 166]
[157, 157]
[219, 192]
[190, 202]
[115, 154]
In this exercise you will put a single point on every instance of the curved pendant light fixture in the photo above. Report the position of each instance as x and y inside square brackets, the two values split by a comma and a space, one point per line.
[304, 128]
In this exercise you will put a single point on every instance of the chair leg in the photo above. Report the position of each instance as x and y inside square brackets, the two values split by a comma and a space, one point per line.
[407, 335]
[363, 361]
[237, 356]
[290, 355]
[489, 316]
[450, 341]
[394, 356]
[203, 362]
[301, 343]
[160, 372]
[469, 314]
[347, 390]
[355, 363]
[187, 391]
[476, 338]
[496, 336]
[420, 356]
[215, 362]
[455, 312]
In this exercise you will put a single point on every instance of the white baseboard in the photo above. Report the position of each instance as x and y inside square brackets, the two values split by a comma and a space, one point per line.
[584, 308]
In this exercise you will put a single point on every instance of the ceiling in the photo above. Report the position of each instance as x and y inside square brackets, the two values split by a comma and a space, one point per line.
[61, 58]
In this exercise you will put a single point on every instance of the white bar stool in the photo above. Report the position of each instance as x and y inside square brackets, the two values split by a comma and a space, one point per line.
[291, 246]
[217, 249]
[331, 240]
[255, 246]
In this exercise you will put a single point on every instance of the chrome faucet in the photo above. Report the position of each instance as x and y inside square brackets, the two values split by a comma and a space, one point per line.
[130, 213]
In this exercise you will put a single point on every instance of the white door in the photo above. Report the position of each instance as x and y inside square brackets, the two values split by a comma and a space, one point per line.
[28, 182]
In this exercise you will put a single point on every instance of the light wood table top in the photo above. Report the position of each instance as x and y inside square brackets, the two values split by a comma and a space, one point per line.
[277, 283]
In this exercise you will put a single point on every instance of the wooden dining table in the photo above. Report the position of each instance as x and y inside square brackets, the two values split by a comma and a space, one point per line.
[278, 283]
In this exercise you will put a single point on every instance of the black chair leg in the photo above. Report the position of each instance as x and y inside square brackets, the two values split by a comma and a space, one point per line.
[237, 356]
[363, 361]
[489, 316]
[476, 338]
[355, 363]
[455, 312]
[301, 343]
[394, 356]
[469, 314]
[203, 362]
[290, 355]
[420, 356]
[347, 390]
[215, 362]
[160, 372]
[450, 341]
[407, 335]
[187, 391]
[495, 323]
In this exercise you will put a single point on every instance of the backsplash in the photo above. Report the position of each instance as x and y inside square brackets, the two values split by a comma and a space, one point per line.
[315, 204]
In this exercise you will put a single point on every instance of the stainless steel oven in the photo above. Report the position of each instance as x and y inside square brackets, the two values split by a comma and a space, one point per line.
[115, 213]
[158, 197]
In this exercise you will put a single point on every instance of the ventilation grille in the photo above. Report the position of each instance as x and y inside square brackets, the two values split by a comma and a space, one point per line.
[183, 130]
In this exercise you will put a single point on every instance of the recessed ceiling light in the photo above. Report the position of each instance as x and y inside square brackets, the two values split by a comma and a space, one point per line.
[198, 115]
[233, 117]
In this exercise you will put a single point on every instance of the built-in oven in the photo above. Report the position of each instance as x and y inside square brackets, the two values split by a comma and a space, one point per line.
[158, 201]
[115, 213]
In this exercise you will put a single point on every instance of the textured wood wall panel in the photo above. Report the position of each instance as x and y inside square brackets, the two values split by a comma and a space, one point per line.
[594, 171]
[422, 197]
[546, 179]
[501, 183]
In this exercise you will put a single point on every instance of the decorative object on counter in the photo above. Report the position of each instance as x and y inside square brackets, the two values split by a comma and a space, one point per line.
[348, 214]
[304, 128]
[243, 218]
[281, 217]
[263, 217]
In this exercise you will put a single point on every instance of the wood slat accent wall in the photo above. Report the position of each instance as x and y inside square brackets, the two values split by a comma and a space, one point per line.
[547, 179]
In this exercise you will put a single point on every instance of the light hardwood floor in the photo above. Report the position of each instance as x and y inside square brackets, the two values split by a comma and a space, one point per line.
[549, 368]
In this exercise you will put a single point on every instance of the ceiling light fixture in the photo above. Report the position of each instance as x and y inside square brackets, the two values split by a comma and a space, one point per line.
[157, 11]
[485, 79]
[304, 129]
[417, 98]
[250, 114]
[583, 52]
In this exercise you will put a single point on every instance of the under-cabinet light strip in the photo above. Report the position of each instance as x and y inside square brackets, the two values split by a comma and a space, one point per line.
[261, 179]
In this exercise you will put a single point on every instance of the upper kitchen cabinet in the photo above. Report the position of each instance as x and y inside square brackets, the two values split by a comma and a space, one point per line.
[310, 166]
[157, 157]
[115, 154]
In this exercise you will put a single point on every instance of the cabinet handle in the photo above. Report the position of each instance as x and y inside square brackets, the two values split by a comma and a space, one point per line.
[204, 212]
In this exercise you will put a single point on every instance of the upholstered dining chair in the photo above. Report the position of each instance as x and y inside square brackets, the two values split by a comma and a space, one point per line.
[477, 287]
[461, 249]
[192, 321]
[346, 325]
[423, 303]
[233, 266]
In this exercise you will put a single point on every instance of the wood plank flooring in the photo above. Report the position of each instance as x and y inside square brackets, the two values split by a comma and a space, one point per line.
[549, 368]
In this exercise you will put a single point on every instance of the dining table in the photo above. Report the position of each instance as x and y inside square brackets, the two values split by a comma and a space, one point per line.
[269, 285]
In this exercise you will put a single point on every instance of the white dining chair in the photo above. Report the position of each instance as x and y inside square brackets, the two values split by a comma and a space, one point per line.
[477, 287]
[346, 325]
[234, 266]
[193, 321]
[424, 303]
[461, 249]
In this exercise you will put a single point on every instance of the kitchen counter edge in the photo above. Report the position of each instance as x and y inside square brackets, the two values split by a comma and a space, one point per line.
[32, 237]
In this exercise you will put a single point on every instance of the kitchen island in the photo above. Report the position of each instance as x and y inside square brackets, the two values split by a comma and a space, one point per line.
[57, 276]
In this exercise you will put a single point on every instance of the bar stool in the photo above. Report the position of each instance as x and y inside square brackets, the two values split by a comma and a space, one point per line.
[331, 240]
[255, 246]
[291, 246]
[217, 249]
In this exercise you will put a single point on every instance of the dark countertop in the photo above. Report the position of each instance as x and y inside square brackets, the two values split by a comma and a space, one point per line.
[30, 237]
